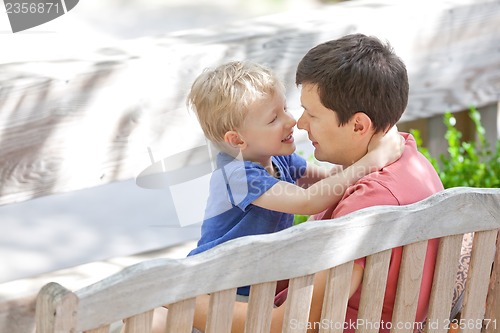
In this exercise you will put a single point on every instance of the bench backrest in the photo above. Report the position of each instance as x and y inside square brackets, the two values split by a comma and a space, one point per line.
[297, 254]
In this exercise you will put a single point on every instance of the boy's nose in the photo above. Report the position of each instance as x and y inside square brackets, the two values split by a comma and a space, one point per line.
[291, 120]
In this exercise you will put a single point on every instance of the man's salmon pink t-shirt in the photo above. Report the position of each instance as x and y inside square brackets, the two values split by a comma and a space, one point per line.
[406, 181]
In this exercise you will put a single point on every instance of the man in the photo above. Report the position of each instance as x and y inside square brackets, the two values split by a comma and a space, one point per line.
[352, 88]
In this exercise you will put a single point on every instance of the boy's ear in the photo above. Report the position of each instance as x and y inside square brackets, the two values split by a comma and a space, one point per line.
[361, 123]
[234, 140]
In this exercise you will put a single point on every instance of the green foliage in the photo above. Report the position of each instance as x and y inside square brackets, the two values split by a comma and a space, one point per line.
[298, 219]
[471, 164]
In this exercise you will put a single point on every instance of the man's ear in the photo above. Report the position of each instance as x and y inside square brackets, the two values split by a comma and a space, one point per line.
[234, 140]
[361, 123]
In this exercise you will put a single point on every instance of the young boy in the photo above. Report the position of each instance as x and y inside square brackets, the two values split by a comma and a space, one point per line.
[260, 182]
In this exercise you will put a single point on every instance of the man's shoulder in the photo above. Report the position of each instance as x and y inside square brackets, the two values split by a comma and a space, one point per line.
[372, 188]
[411, 178]
[365, 193]
[384, 189]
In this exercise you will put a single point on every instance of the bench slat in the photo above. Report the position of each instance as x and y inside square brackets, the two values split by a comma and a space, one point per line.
[141, 323]
[372, 294]
[483, 252]
[260, 306]
[338, 283]
[493, 300]
[220, 311]
[298, 304]
[410, 278]
[55, 309]
[180, 316]
[102, 329]
[443, 283]
[330, 243]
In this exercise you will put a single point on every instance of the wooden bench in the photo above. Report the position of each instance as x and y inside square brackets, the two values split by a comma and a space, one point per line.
[297, 254]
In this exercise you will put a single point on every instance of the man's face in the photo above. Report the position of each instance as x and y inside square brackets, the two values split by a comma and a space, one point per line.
[333, 143]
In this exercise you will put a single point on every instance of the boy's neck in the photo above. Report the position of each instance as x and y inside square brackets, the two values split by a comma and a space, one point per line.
[273, 170]
[265, 161]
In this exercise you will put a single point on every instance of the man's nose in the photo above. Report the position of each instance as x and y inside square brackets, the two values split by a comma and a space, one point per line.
[301, 123]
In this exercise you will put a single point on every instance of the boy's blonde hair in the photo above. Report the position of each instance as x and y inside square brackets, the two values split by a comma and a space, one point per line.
[221, 96]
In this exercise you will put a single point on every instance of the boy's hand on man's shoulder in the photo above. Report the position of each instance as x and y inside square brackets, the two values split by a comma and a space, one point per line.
[390, 145]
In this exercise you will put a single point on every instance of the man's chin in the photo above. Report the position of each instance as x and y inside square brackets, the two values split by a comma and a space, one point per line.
[320, 157]
[325, 158]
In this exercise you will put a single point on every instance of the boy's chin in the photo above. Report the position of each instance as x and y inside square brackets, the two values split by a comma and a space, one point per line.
[291, 149]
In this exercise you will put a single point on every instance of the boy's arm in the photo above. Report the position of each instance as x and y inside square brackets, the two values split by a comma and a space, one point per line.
[289, 198]
[315, 173]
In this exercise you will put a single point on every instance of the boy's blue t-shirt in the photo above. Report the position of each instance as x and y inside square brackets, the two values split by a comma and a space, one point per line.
[234, 185]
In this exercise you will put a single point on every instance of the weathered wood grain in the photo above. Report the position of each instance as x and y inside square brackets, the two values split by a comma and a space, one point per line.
[338, 284]
[373, 290]
[443, 283]
[141, 323]
[410, 278]
[493, 300]
[288, 254]
[181, 318]
[260, 305]
[102, 329]
[462, 210]
[60, 306]
[478, 277]
[220, 311]
[298, 304]
[68, 124]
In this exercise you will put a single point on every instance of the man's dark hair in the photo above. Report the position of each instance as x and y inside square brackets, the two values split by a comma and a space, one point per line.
[357, 73]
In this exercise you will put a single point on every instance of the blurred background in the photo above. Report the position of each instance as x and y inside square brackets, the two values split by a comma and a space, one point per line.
[52, 232]
[91, 99]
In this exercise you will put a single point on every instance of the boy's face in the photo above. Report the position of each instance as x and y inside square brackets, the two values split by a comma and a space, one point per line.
[267, 130]
[332, 142]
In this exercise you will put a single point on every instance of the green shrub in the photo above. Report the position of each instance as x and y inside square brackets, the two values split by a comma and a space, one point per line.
[471, 164]
[298, 219]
